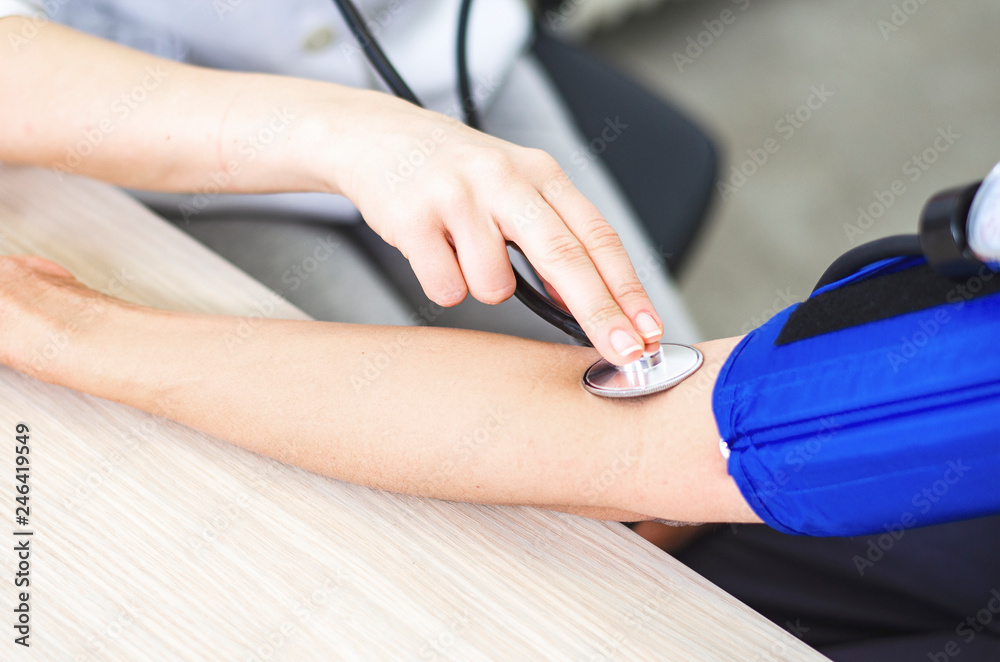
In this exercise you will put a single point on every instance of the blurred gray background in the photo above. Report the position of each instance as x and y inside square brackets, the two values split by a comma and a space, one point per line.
[892, 91]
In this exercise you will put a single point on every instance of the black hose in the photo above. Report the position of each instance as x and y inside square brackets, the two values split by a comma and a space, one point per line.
[545, 309]
[861, 256]
[374, 52]
[469, 109]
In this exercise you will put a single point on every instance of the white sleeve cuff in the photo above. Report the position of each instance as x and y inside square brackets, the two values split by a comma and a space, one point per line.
[21, 8]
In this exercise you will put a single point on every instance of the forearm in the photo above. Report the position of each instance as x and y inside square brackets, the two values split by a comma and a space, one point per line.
[447, 413]
[88, 106]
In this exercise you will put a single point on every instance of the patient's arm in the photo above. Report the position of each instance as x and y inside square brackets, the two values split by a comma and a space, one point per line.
[453, 414]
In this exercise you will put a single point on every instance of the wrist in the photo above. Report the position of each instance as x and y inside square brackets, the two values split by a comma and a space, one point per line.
[352, 139]
[332, 133]
[62, 346]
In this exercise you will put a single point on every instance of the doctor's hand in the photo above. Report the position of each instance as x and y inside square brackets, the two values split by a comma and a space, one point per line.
[449, 198]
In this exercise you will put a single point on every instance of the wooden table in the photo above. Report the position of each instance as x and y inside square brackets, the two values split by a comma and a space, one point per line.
[153, 541]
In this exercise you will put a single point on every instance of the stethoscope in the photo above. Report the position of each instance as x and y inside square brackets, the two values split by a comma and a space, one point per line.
[959, 235]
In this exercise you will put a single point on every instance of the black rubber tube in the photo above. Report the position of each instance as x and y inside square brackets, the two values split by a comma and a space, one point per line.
[358, 27]
[469, 109]
[861, 256]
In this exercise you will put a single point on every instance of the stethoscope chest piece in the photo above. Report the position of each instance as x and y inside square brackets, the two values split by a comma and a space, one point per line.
[667, 367]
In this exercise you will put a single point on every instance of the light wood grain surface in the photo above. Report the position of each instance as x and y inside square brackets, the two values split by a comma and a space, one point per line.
[156, 542]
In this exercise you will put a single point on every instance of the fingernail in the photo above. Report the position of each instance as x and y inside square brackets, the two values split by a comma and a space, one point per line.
[648, 328]
[624, 343]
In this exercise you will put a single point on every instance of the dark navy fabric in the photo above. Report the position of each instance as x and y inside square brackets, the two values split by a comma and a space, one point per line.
[880, 427]
[931, 593]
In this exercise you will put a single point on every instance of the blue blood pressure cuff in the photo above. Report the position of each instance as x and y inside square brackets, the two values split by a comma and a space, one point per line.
[875, 408]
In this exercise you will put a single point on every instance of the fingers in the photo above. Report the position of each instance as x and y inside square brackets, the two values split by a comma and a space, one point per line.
[612, 262]
[604, 247]
[434, 263]
[481, 266]
[482, 256]
[602, 244]
[565, 262]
